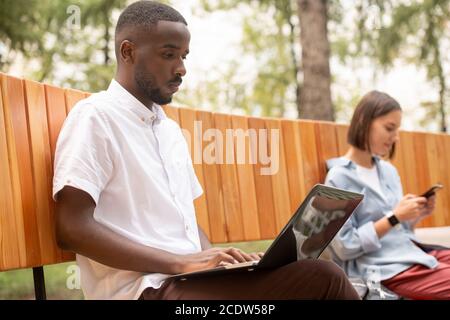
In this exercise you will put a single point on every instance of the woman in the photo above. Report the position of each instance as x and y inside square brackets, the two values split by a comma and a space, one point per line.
[377, 243]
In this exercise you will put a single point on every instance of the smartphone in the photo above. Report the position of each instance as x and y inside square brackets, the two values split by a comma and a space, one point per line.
[430, 192]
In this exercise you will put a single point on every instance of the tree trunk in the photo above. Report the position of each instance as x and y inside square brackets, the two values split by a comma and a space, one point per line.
[315, 96]
[107, 25]
[294, 62]
[442, 87]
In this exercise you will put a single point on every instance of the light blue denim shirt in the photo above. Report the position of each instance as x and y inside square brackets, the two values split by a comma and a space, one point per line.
[357, 248]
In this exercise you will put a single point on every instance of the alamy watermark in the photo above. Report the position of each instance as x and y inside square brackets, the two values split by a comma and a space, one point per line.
[235, 146]
[74, 19]
[73, 281]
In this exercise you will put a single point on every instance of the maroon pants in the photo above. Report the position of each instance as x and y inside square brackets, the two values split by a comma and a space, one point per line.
[307, 279]
[420, 282]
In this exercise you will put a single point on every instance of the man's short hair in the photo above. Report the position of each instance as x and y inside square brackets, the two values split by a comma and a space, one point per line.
[145, 15]
[373, 105]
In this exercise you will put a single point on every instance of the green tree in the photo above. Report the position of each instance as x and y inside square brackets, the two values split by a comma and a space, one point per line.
[270, 35]
[24, 25]
[293, 53]
[52, 36]
[92, 47]
[414, 32]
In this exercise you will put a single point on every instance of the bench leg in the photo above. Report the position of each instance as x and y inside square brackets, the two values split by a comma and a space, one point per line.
[39, 283]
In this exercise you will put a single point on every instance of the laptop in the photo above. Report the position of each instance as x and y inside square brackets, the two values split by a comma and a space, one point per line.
[306, 235]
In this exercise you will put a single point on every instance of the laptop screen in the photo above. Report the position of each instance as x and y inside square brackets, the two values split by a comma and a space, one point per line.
[315, 223]
[322, 218]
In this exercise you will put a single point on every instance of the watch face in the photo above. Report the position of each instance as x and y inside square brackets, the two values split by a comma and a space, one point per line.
[393, 220]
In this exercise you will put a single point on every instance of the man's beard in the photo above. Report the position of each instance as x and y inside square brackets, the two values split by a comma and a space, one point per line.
[146, 83]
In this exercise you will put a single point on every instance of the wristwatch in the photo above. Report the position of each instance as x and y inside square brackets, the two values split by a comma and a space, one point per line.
[392, 219]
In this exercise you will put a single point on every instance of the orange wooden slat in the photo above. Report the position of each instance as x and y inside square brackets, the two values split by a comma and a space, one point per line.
[327, 146]
[411, 167]
[263, 187]
[278, 172]
[437, 167]
[445, 142]
[294, 162]
[10, 229]
[341, 134]
[246, 181]
[72, 97]
[229, 180]
[407, 149]
[56, 114]
[213, 183]
[21, 171]
[421, 173]
[194, 138]
[42, 169]
[309, 150]
[398, 161]
[420, 157]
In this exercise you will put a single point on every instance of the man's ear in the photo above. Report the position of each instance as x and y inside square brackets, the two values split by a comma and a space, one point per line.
[127, 52]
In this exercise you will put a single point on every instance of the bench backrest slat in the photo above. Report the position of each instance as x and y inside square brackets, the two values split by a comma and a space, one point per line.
[228, 184]
[20, 238]
[41, 169]
[246, 179]
[187, 118]
[294, 162]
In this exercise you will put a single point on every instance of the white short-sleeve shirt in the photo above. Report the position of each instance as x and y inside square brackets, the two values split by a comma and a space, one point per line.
[135, 164]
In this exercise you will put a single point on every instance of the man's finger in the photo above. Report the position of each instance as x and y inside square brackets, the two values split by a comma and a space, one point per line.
[255, 257]
[236, 254]
[225, 257]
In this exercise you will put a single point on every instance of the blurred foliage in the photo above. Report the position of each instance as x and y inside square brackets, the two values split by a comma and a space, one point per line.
[382, 30]
[274, 46]
[48, 35]
[414, 32]
[37, 35]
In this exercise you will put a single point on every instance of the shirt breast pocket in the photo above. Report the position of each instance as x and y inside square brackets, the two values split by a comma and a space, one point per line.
[179, 173]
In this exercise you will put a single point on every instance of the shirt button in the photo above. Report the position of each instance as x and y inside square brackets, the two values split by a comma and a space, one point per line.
[187, 228]
[143, 119]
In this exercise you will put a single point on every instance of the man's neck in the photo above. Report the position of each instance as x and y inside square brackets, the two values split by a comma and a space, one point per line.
[133, 90]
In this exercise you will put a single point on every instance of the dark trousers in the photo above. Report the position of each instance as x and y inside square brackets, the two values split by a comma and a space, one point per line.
[307, 279]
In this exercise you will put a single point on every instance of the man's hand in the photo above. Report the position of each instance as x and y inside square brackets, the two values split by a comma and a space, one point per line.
[214, 257]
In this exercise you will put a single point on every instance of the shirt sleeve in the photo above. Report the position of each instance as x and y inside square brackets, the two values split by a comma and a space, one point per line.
[83, 157]
[354, 240]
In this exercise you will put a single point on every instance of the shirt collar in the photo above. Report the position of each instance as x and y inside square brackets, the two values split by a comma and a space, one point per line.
[341, 162]
[127, 100]
[344, 162]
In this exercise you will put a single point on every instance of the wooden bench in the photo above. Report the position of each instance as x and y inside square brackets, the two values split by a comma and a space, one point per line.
[239, 203]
